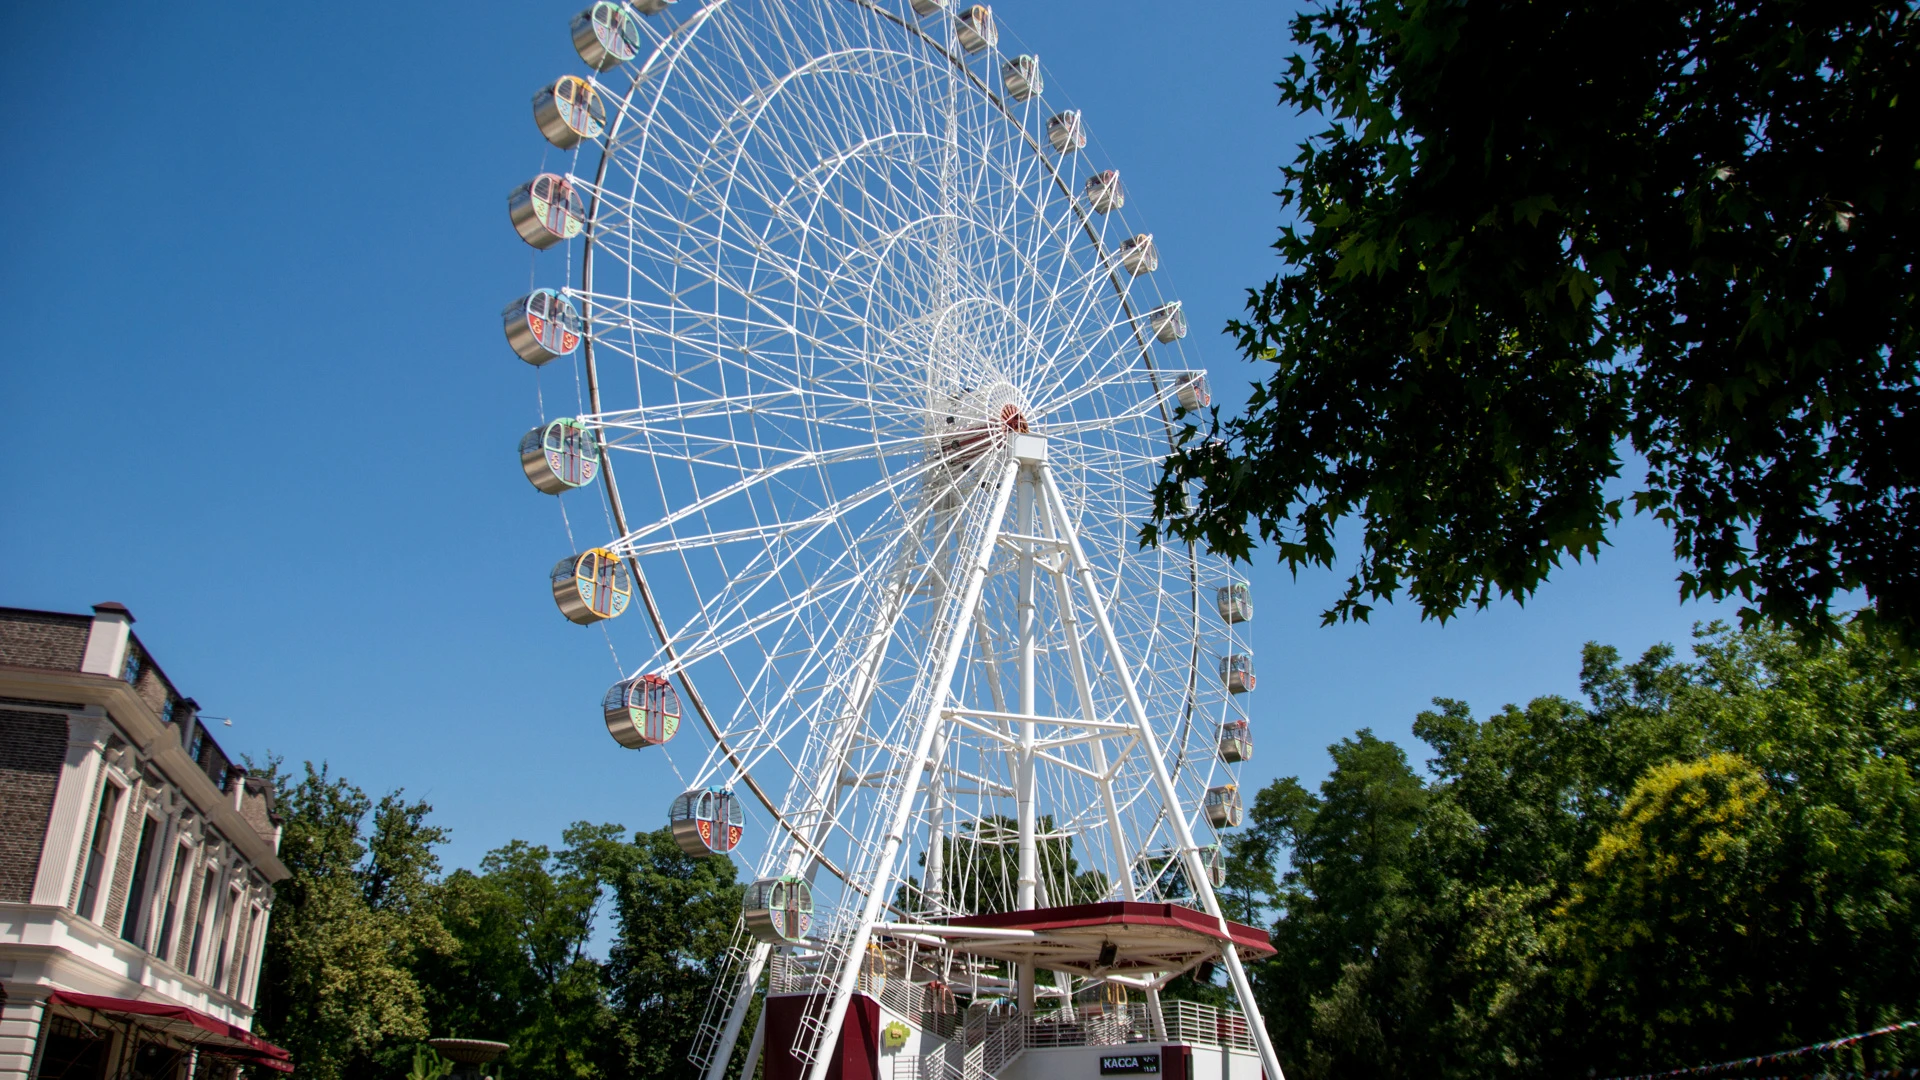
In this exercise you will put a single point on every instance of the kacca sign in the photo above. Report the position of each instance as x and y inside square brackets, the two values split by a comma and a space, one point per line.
[1129, 1063]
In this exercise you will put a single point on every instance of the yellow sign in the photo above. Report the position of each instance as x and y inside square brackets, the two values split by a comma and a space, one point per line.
[893, 1036]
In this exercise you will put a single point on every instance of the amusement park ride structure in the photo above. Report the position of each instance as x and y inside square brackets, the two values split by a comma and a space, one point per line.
[893, 382]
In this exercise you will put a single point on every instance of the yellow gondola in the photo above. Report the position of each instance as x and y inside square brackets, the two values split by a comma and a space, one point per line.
[591, 586]
[1222, 806]
[569, 110]
[975, 28]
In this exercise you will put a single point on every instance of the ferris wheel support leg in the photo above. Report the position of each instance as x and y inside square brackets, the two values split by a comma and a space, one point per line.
[754, 1047]
[1189, 853]
[1083, 690]
[930, 726]
[737, 1016]
[1029, 880]
[1155, 1016]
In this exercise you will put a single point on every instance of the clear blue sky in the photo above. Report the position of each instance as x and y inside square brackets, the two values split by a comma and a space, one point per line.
[262, 251]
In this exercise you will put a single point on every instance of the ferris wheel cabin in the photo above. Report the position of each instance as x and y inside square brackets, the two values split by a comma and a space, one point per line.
[606, 35]
[546, 210]
[560, 456]
[1222, 806]
[1236, 742]
[1169, 322]
[591, 586]
[708, 821]
[1190, 390]
[779, 911]
[1021, 77]
[1066, 132]
[541, 326]
[568, 111]
[642, 711]
[1138, 254]
[975, 28]
[1237, 672]
[1104, 193]
[1235, 602]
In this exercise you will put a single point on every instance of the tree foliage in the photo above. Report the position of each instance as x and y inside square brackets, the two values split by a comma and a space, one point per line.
[371, 950]
[1703, 860]
[1536, 234]
[337, 983]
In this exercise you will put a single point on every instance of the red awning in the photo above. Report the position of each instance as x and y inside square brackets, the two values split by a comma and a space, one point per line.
[1113, 938]
[191, 1025]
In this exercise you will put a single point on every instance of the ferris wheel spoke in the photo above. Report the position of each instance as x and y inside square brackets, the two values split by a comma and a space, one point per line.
[712, 630]
[760, 478]
[771, 532]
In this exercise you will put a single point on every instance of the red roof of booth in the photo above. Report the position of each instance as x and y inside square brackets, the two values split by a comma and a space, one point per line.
[1144, 937]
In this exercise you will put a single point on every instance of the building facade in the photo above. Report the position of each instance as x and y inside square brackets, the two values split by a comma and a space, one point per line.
[137, 865]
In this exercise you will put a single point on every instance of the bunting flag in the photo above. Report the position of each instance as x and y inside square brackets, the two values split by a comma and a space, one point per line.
[1780, 1055]
[1879, 1074]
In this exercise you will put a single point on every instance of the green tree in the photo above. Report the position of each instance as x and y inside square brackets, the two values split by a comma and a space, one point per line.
[521, 972]
[1678, 893]
[1533, 235]
[1703, 860]
[675, 918]
[337, 985]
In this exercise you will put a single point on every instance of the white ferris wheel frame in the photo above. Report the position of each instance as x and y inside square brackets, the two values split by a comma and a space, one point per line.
[1046, 541]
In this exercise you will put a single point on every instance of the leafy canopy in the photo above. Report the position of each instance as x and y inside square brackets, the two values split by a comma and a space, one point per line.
[1536, 235]
[1704, 860]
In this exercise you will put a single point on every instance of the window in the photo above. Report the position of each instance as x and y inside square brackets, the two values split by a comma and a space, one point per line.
[243, 952]
[226, 937]
[204, 918]
[176, 893]
[70, 1050]
[155, 1060]
[97, 851]
[133, 927]
[131, 672]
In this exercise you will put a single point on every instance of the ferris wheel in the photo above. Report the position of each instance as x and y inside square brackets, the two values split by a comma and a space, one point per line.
[871, 369]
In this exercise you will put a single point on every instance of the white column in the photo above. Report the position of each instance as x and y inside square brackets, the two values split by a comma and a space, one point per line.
[67, 827]
[20, 1020]
[749, 983]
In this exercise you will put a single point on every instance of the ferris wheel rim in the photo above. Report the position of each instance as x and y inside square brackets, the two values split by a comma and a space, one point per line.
[1142, 351]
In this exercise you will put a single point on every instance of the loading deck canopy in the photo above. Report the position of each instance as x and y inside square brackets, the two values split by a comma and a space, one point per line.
[1115, 938]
